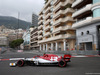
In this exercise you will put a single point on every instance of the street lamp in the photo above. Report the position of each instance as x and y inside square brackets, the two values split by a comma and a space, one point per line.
[18, 24]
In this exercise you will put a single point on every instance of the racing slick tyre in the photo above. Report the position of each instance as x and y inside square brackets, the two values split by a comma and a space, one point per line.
[20, 63]
[62, 63]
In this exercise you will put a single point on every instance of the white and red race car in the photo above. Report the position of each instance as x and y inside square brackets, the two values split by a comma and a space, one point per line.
[45, 59]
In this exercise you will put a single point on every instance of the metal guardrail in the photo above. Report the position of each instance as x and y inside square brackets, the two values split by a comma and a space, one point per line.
[74, 52]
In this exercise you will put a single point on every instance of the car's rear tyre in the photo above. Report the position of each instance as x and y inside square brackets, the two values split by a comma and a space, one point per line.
[62, 63]
[20, 63]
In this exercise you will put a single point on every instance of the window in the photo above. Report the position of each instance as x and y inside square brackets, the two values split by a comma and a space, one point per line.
[51, 2]
[96, 1]
[96, 12]
[87, 32]
[82, 33]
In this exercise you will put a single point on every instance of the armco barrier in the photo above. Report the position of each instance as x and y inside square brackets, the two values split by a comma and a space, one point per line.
[74, 52]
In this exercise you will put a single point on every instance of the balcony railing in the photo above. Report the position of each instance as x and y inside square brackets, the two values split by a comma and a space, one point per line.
[34, 41]
[82, 10]
[63, 12]
[62, 20]
[35, 33]
[54, 1]
[47, 4]
[47, 22]
[76, 3]
[47, 9]
[41, 16]
[81, 22]
[62, 28]
[40, 22]
[39, 37]
[61, 36]
[47, 34]
[49, 14]
[63, 4]
[34, 37]
[41, 26]
[46, 28]
[32, 46]
[39, 32]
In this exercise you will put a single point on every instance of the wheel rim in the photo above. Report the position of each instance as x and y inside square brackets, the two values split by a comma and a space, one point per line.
[62, 63]
[20, 63]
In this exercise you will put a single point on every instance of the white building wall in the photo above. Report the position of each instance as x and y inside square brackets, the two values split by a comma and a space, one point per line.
[92, 28]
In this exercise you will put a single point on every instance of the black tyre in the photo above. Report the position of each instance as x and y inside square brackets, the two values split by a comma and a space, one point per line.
[62, 63]
[20, 63]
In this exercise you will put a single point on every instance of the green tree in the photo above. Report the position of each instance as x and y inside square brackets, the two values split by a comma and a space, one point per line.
[16, 43]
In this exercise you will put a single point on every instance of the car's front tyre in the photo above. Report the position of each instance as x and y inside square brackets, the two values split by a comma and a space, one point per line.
[20, 63]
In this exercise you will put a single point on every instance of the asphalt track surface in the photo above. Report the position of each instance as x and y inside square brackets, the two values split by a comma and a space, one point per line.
[77, 66]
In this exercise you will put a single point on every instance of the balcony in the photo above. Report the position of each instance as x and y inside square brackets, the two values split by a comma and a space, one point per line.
[47, 22]
[55, 1]
[40, 22]
[49, 14]
[47, 9]
[68, 10]
[63, 20]
[47, 28]
[41, 16]
[61, 36]
[32, 46]
[34, 37]
[35, 33]
[39, 32]
[70, 36]
[47, 34]
[46, 5]
[82, 10]
[40, 27]
[76, 3]
[34, 41]
[62, 4]
[82, 22]
[62, 28]
[39, 37]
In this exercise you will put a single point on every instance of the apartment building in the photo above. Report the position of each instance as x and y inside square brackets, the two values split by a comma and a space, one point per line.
[34, 20]
[3, 41]
[55, 26]
[34, 38]
[88, 24]
[26, 38]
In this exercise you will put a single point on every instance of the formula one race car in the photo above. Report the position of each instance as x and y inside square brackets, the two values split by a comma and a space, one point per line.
[42, 60]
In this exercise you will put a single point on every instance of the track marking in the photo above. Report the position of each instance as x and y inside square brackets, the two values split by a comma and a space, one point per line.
[16, 58]
[3, 59]
[87, 56]
[11, 59]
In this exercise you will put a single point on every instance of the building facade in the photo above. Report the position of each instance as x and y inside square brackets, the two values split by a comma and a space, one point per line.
[26, 38]
[55, 26]
[34, 20]
[34, 38]
[3, 41]
[10, 34]
[88, 24]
